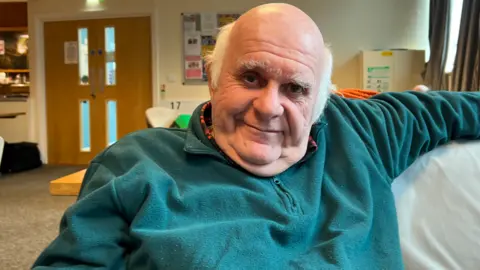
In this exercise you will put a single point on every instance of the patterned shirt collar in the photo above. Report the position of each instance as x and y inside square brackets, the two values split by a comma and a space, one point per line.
[206, 122]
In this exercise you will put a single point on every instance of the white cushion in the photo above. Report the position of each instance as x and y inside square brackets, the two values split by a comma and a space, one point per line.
[438, 206]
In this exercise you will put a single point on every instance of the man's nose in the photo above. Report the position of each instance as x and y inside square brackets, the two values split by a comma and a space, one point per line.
[268, 105]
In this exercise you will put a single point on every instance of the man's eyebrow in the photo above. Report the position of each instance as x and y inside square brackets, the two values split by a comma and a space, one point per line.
[258, 65]
[264, 66]
[300, 82]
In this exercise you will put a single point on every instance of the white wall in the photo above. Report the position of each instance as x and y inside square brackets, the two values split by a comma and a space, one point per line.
[348, 25]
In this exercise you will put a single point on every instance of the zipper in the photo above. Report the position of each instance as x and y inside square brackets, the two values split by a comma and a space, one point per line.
[290, 202]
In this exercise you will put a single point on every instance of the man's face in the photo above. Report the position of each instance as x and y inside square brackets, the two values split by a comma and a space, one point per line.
[263, 105]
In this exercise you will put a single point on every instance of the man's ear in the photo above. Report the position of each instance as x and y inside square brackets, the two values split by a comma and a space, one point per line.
[209, 79]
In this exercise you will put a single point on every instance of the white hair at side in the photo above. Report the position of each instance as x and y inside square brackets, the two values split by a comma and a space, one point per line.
[325, 87]
[214, 62]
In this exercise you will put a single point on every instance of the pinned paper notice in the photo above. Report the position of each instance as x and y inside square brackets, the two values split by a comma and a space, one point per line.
[189, 26]
[379, 78]
[190, 23]
[208, 22]
[193, 44]
[70, 52]
[193, 67]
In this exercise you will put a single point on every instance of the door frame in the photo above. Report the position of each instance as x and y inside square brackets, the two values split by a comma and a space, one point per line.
[37, 99]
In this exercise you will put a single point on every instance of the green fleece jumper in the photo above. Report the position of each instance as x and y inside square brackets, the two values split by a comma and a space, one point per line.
[167, 199]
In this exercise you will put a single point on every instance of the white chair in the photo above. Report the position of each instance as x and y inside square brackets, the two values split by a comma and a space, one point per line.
[161, 117]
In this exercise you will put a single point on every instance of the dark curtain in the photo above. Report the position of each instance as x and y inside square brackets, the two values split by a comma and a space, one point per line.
[466, 71]
[439, 29]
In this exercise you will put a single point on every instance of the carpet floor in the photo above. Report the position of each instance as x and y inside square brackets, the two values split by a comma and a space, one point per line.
[29, 215]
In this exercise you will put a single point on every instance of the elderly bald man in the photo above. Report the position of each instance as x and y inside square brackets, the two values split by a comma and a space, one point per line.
[272, 173]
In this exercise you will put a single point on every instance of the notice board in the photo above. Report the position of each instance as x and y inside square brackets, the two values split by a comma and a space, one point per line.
[200, 31]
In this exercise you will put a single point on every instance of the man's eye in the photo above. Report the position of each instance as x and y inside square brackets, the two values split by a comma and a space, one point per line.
[251, 80]
[296, 89]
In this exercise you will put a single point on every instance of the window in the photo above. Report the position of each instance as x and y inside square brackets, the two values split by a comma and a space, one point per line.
[455, 18]
[84, 126]
[111, 122]
[110, 64]
[83, 56]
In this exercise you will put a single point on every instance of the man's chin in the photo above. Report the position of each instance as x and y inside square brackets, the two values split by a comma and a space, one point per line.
[259, 159]
[261, 162]
[259, 155]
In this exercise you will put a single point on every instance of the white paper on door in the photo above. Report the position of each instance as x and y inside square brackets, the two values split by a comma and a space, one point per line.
[71, 52]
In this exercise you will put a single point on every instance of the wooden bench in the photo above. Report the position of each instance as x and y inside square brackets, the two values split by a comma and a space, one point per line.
[68, 185]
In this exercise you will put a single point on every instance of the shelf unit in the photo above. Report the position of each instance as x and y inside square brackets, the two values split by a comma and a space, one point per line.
[13, 29]
[15, 70]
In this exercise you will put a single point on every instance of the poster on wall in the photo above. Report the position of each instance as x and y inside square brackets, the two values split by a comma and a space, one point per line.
[224, 19]
[199, 33]
[193, 67]
[208, 44]
[190, 23]
[2, 47]
[379, 78]
[70, 52]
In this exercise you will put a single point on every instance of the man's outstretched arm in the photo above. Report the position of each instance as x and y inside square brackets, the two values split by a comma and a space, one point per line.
[93, 233]
[400, 127]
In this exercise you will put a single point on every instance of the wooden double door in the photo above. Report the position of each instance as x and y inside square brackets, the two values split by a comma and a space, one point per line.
[98, 84]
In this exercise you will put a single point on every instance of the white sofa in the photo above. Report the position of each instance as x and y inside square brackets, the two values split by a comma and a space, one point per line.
[438, 207]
